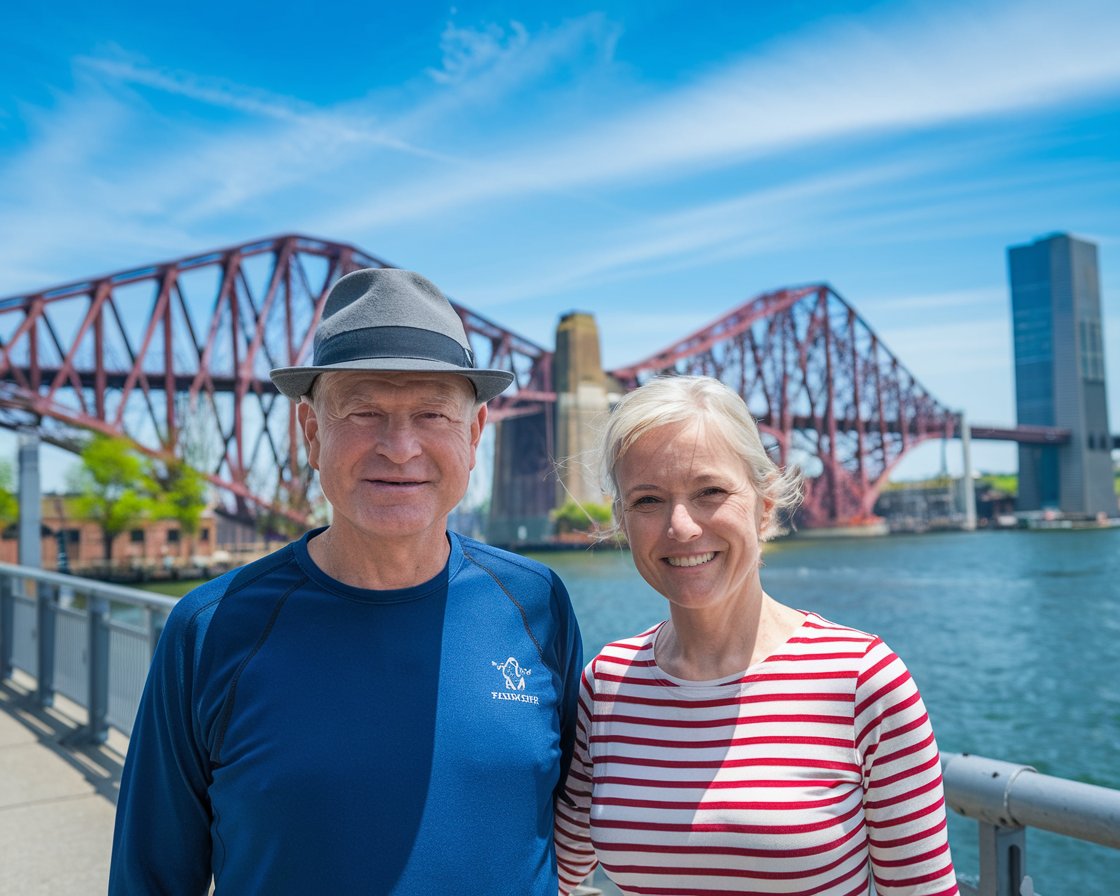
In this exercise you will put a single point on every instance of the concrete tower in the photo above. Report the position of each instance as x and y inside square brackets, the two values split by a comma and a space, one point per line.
[1060, 376]
[581, 406]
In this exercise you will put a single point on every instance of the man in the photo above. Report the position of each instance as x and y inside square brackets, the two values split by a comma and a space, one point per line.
[382, 706]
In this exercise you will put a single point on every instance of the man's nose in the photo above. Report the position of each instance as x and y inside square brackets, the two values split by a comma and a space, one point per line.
[398, 441]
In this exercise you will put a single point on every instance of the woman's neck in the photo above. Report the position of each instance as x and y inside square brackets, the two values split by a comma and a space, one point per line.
[705, 646]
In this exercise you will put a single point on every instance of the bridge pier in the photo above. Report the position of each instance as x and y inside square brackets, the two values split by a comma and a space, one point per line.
[543, 459]
[969, 490]
[581, 406]
[524, 480]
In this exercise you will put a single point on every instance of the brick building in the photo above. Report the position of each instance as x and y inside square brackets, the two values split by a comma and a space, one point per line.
[156, 546]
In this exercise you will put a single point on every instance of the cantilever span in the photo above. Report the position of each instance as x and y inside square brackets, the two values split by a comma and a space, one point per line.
[176, 355]
[822, 385]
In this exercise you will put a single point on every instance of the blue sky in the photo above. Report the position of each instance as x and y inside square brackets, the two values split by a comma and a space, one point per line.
[654, 163]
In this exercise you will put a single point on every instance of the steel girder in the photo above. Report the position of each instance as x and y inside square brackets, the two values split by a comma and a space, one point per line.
[822, 385]
[175, 356]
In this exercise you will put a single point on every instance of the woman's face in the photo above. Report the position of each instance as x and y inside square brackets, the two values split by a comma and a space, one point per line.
[692, 516]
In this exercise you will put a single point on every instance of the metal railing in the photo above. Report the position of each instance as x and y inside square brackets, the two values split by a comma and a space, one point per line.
[75, 637]
[1005, 799]
[87, 640]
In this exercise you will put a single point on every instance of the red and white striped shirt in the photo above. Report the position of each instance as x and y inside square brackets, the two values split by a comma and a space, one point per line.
[809, 773]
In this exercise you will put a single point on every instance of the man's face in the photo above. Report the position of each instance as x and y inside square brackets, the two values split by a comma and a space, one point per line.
[393, 450]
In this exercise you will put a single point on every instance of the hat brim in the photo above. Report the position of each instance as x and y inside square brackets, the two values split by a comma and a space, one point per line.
[295, 382]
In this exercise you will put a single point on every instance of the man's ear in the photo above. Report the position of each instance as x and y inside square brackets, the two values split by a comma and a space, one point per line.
[309, 425]
[477, 425]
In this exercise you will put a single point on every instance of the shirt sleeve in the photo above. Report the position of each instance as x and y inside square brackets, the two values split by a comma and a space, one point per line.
[575, 856]
[161, 841]
[904, 799]
[571, 658]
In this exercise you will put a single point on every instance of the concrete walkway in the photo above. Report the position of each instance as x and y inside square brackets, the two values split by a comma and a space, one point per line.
[56, 801]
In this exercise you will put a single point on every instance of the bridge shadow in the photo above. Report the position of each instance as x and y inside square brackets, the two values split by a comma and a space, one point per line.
[57, 728]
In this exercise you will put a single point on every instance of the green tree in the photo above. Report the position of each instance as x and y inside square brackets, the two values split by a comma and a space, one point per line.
[573, 516]
[9, 503]
[1008, 483]
[114, 487]
[182, 494]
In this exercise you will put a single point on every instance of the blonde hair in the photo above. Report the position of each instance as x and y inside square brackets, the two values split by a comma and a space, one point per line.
[669, 400]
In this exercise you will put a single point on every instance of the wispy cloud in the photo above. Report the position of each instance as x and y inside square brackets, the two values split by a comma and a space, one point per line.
[370, 165]
[838, 82]
[755, 222]
[333, 125]
[468, 51]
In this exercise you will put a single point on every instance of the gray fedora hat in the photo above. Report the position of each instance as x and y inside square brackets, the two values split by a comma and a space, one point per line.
[389, 319]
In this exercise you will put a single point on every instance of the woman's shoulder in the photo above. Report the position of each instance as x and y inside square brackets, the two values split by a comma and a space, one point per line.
[641, 641]
[836, 645]
[625, 653]
[817, 628]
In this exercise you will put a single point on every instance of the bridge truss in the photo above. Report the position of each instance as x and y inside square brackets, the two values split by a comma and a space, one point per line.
[175, 357]
[823, 387]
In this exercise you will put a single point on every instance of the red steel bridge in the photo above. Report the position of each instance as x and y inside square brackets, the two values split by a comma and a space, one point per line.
[175, 356]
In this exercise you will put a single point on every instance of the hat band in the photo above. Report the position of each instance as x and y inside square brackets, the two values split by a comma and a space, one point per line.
[392, 342]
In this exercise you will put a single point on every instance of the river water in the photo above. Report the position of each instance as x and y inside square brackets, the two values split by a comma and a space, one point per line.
[1013, 638]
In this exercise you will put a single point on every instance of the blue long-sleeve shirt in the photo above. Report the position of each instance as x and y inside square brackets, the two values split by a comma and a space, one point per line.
[298, 735]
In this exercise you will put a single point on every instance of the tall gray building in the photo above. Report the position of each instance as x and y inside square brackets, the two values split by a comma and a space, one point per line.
[1059, 375]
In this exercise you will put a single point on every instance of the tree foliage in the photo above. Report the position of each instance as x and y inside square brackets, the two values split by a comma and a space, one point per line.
[573, 516]
[119, 488]
[1007, 483]
[181, 494]
[9, 502]
[114, 487]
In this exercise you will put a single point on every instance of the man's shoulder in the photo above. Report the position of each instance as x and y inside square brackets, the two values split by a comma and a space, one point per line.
[259, 572]
[499, 561]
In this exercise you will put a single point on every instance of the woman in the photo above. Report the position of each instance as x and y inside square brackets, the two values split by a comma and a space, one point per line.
[741, 746]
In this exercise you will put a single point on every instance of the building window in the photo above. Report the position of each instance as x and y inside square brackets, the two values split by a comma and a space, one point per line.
[136, 536]
[172, 536]
[1092, 351]
[204, 535]
[73, 536]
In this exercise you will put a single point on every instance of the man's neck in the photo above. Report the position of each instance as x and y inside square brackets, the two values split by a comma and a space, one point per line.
[383, 565]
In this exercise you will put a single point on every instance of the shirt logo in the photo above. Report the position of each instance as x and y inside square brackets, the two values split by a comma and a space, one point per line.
[513, 674]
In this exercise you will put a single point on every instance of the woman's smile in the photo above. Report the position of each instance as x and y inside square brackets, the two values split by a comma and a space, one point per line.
[691, 559]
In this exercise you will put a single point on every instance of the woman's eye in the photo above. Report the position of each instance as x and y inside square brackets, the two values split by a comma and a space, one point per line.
[713, 492]
[644, 501]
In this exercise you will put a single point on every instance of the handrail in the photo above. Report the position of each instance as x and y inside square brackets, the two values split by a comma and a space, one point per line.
[87, 658]
[1006, 799]
[1007, 795]
[93, 587]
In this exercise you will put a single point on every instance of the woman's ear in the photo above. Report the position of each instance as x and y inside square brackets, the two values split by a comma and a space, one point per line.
[767, 513]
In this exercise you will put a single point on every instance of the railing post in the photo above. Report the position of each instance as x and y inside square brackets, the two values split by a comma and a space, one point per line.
[45, 617]
[7, 622]
[98, 701]
[1003, 859]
